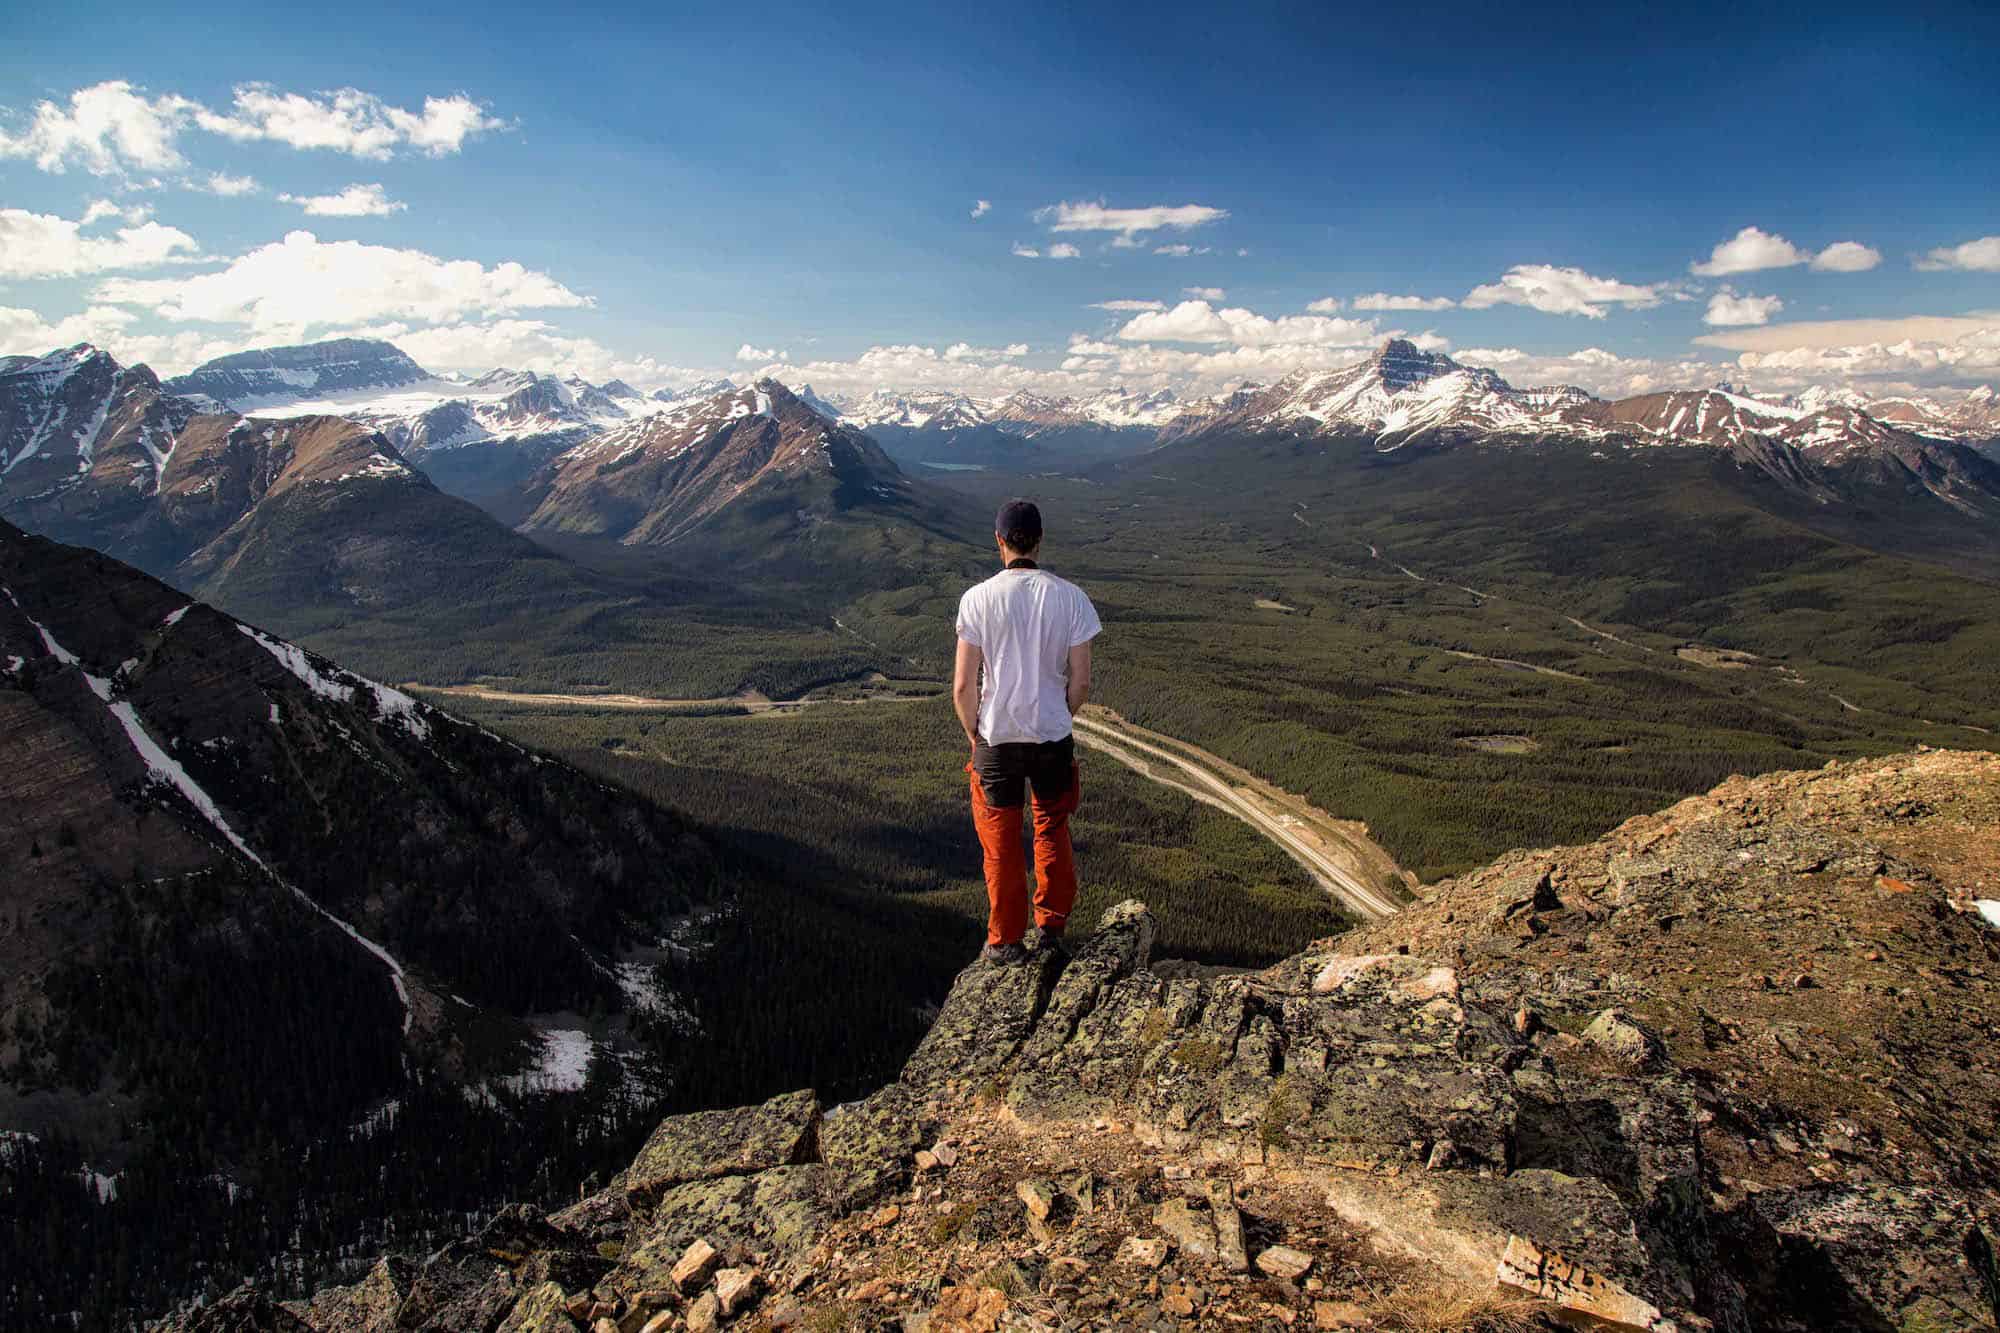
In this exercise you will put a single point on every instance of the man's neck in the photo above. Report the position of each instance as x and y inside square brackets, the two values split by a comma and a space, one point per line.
[1021, 562]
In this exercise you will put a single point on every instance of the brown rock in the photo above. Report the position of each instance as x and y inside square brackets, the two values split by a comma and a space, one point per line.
[968, 1310]
[1192, 1231]
[735, 1288]
[659, 1323]
[1548, 1276]
[705, 1315]
[1039, 1196]
[696, 1263]
[1340, 1314]
[926, 1159]
[1145, 1253]
[1282, 1261]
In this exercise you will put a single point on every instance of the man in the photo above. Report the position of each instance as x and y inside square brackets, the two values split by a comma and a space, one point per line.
[1027, 633]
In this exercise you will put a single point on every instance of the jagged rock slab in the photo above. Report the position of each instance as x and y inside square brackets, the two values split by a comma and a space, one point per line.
[708, 1144]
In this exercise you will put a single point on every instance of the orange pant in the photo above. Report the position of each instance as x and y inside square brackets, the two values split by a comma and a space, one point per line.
[1006, 870]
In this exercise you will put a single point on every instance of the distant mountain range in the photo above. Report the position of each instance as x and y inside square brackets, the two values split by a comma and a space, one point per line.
[1821, 446]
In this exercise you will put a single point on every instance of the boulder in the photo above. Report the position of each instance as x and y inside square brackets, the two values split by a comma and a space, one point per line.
[711, 1144]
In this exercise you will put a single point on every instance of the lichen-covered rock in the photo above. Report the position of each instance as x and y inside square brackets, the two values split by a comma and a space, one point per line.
[367, 1306]
[245, 1310]
[540, 1311]
[780, 1212]
[709, 1144]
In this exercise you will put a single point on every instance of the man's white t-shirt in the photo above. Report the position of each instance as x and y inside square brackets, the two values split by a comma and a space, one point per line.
[1024, 622]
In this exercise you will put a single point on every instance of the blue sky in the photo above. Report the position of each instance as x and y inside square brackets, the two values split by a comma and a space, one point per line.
[677, 189]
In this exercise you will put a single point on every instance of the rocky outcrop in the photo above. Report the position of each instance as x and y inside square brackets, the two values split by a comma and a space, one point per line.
[1731, 1068]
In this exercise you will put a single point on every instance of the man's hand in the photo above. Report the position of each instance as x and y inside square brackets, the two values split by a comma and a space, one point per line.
[1078, 692]
[965, 689]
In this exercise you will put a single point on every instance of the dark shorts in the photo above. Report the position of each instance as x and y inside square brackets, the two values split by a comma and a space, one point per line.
[1004, 771]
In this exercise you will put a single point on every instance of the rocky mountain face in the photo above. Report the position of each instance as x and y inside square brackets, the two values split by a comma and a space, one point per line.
[1732, 1067]
[278, 375]
[299, 520]
[245, 892]
[757, 456]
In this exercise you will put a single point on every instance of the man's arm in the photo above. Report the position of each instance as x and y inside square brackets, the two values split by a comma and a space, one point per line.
[965, 689]
[1078, 692]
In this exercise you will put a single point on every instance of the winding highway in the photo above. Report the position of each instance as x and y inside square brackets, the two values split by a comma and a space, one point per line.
[1211, 788]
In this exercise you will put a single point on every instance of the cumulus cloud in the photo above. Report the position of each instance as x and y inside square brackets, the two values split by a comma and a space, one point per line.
[1748, 251]
[1919, 350]
[1123, 306]
[348, 120]
[1180, 251]
[42, 245]
[1064, 250]
[1727, 309]
[982, 207]
[1325, 305]
[99, 209]
[1127, 224]
[1205, 293]
[1563, 291]
[967, 352]
[1592, 368]
[26, 333]
[759, 355]
[1025, 251]
[1384, 301]
[113, 128]
[524, 344]
[301, 283]
[1199, 322]
[356, 201]
[1980, 256]
[228, 186]
[1847, 257]
[106, 129]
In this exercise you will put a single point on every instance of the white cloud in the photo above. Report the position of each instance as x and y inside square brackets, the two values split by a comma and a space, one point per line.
[99, 209]
[300, 283]
[524, 344]
[1128, 305]
[1180, 251]
[1980, 256]
[1430, 340]
[1026, 251]
[967, 352]
[1064, 250]
[356, 201]
[228, 186]
[1199, 322]
[26, 333]
[982, 207]
[1832, 333]
[1205, 293]
[1562, 291]
[1847, 257]
[1325, 305]
[1128, 224]
[1603, 373]
[106, 129]
[1746, 252]
[112, 128]
[348, 120]
[759, 355]
[1384, 301]
[41, 245]
[1930, 350]
[1727, 309]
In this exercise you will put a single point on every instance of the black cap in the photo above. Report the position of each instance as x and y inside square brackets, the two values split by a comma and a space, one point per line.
[1019, 524]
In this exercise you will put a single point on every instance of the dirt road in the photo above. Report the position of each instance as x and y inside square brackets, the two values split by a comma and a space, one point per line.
[1338, 853]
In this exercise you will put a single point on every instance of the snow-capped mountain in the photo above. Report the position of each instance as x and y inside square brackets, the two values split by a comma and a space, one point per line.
[702, 389]
[1404, 397]
[277, 375]
[652, 482]
[77, 419]
[925, 410]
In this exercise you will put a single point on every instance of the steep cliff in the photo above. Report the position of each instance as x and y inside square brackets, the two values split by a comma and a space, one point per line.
[1734, 1066]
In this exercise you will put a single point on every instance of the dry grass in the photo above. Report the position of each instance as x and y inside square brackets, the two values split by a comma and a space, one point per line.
[1446, 1307]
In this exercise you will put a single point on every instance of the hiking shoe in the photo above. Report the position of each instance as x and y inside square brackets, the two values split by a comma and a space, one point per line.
[1004, 955]
[1047, 941]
